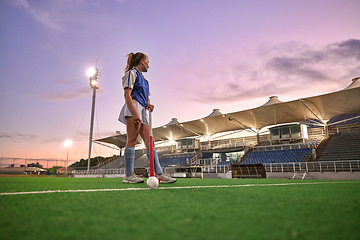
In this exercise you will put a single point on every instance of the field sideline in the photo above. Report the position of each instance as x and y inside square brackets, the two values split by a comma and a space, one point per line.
[105, 208]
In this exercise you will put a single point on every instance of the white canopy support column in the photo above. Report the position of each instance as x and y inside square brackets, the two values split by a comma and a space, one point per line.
[258, 137]
[244, 126]
[187, 129]
[312, 111]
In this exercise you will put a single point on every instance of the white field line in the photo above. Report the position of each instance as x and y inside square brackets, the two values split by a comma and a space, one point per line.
[167, 188]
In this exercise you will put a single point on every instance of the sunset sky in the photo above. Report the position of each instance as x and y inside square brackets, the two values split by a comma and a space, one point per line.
[204, 54]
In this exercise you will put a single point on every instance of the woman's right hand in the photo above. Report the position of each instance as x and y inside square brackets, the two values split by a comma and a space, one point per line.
[136, 118]
[130, 104]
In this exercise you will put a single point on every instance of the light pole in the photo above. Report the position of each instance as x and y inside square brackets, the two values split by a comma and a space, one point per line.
[93, 74]
[67, 144]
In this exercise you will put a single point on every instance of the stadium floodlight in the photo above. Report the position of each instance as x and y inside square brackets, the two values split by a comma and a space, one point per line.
[94, 75]
[91, 72]
[67, 144]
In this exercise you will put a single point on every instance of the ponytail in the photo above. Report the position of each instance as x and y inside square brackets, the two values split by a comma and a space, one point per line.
[134, 60]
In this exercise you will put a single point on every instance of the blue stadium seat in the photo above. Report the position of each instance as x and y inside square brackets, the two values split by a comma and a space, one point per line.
[277, 156]
[174, 161]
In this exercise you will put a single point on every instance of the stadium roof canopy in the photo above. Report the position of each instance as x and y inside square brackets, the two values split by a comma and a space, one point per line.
[320, 108]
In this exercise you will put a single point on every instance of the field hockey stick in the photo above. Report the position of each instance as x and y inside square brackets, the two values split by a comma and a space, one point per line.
[151, 147]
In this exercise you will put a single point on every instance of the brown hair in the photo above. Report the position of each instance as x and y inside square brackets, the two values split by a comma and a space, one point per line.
[134, 60]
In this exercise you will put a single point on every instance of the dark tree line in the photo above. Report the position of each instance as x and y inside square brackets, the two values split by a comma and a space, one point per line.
[93, 161]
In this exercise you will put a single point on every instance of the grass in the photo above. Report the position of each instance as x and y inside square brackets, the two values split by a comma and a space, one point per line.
[319, 211]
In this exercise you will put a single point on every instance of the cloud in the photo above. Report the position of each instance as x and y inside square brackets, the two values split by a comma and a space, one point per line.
[299, 67]
[17, 137]
[346, 49]
[50, 14]
[42, 16]
[311, 64]
[19, 3]
[61, 96]
[67, 81]
[67, 96]
[290, 69]
[67, 89]
[23, 137]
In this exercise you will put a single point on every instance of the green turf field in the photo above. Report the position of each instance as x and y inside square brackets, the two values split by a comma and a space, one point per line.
[258, 210]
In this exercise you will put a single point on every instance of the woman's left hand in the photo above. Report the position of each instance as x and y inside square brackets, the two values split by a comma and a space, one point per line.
[150, 107]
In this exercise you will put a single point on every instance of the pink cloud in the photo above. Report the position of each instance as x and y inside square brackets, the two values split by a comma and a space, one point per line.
[282, 69]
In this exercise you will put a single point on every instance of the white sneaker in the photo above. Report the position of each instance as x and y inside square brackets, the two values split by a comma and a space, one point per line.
[166, 179]
[133, 178]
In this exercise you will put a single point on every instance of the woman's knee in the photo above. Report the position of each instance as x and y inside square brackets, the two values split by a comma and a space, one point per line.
[131, 141]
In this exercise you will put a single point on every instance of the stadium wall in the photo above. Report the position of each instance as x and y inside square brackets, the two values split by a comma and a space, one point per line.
[218, 175]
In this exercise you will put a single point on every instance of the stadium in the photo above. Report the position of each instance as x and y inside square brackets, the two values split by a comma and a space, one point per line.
[257, 116]
[283, 170]
[309, 138]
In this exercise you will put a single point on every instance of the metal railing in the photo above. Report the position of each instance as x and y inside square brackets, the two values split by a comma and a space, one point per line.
[195, 170]
[216, 169]
[207, 161]
[115, 171]
[18, 162]
[311, 144]
[333, 166]
[185, 154]
[328, 166]
[230, 143]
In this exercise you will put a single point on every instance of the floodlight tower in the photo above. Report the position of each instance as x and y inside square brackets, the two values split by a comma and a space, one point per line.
[93, 74]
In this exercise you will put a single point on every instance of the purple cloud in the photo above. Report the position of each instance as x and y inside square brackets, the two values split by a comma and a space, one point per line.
[281, 69]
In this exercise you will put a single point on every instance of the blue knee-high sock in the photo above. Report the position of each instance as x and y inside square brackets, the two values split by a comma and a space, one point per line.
[129, 160]
[157, 165]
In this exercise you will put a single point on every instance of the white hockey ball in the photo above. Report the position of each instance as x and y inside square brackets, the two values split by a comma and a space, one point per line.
[152, 182]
